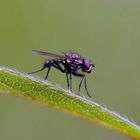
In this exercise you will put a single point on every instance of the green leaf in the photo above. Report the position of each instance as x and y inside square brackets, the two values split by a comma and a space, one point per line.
[43, 92]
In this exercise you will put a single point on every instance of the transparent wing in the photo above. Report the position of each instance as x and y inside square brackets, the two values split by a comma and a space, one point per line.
[47, 54]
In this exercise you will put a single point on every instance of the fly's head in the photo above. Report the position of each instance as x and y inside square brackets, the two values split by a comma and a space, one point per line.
[87, 66]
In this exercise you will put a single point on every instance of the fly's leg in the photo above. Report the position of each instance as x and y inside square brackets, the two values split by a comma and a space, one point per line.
[37, 71]
[47, 73]
[63, 70]
[41, 70]
[80, 86]
[83, 78]
[85, 83]
[70, 82]
[69, 78]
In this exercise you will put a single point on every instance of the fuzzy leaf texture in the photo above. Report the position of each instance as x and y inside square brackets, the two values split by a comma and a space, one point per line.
[24, 85]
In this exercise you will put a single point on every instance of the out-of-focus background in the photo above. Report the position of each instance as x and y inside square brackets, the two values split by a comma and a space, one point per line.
[106, 32]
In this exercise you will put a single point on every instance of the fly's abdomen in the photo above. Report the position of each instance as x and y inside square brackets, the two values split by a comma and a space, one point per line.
[48, 63]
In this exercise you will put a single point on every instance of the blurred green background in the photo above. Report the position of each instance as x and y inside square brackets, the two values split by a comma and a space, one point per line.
[106, 32]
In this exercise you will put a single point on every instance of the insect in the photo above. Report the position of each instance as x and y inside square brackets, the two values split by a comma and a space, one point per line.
[70, 64]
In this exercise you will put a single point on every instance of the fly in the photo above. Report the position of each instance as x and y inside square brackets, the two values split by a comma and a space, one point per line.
[70, 64]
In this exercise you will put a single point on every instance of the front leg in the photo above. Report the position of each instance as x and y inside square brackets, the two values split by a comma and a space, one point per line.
[85, 83]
